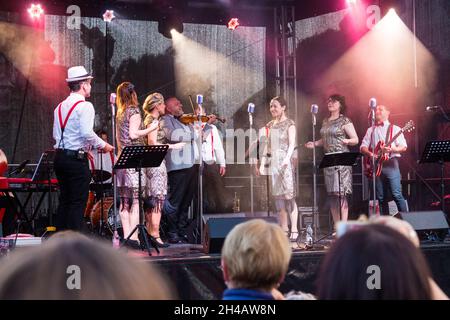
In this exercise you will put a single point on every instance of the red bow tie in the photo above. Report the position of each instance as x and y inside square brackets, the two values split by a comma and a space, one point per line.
[380, 124]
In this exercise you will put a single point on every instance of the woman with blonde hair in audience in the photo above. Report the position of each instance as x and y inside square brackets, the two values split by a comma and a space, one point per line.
[255, 259]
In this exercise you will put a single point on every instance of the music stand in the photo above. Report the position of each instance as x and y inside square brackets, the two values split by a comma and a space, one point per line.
[138, 157]
[337, 159]
[44, 172]
[437, 151]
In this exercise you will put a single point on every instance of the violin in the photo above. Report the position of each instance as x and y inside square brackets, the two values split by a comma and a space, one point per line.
[189, 118]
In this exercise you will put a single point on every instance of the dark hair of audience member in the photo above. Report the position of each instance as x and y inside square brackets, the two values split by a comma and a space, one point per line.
[345, 272]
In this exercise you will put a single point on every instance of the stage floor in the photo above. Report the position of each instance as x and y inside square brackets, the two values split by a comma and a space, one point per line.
[197, 275]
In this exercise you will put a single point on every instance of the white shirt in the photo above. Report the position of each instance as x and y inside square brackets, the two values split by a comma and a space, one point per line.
[212, 147]
[380, 135]
[79, 132]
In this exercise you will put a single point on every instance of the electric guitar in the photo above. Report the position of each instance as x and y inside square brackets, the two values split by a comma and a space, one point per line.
[383, 156]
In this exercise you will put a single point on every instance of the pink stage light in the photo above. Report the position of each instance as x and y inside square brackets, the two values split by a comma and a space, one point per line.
[233, 23]
[35, 11]
[108, 16]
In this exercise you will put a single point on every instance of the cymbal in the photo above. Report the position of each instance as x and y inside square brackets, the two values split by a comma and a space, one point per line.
[100, 175]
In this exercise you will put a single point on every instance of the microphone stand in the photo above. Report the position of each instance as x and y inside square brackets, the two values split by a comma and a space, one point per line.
[316, 218]
[200, 171]
[374, 208]
[250, 120]
[114, 179]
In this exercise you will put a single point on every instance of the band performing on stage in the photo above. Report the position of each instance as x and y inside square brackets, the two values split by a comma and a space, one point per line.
[84, 163]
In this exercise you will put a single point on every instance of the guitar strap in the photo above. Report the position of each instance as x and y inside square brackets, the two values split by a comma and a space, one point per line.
[389, 133]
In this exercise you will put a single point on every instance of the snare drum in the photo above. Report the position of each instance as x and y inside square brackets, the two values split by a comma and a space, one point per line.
[108, 215]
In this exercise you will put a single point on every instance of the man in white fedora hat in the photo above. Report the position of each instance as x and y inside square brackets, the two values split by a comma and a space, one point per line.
[74, 135]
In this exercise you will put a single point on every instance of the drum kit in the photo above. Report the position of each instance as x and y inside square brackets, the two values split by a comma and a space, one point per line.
[99, 212]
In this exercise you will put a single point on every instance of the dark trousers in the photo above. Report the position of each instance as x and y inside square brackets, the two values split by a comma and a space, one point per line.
[216, 198]
[74, 178]
[390, 180]
[182, 186]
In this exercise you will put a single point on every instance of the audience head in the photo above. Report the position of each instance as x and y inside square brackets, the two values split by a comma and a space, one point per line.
[255, 255]
[372, 250]
[49, 271]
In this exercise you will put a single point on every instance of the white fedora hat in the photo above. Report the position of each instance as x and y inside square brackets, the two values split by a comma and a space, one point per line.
[77, 73]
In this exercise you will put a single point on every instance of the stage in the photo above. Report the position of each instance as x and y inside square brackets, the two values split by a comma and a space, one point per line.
[198, 276]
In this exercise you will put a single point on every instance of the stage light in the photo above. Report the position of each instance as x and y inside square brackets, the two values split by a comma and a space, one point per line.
[35, 11]
[392, 11]
[108, 16]
[351, 2]
[167, 25]
[233, 23]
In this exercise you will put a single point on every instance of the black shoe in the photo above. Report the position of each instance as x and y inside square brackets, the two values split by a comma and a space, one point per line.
[159, 244]
[132, 244]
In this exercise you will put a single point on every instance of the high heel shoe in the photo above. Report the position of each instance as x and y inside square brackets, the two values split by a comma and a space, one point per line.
[155, 241]
[160, 244]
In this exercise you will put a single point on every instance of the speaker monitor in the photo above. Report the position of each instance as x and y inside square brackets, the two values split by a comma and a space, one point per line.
[426, 221]
[216, 229]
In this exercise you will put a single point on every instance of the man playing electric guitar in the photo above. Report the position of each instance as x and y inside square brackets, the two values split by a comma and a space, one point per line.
[390, 173]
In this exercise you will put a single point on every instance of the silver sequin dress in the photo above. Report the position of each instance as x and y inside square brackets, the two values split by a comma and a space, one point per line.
[333, 133]
[156, 189]
[283, 179]
[128, 179]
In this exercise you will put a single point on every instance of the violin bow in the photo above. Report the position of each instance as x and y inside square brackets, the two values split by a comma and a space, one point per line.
[192, 104]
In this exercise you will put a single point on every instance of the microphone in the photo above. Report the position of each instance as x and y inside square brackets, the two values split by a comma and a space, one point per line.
[200, 102]
[251, 107]
[112, 101]
[373, 103]
[112, 98]
[432, 108]
[314, 111]
[199, 99]
[250, 110]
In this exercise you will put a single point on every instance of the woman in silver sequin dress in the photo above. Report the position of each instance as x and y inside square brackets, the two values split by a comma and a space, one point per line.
[156, 186]
[282, 169]
[338, 133]
[129, 132]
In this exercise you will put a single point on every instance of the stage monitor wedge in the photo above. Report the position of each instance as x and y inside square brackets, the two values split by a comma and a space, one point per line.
[216, 229]
[426, 222]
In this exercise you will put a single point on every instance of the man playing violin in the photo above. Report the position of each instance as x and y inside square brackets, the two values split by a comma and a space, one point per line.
[182, 170]
[390, 174]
